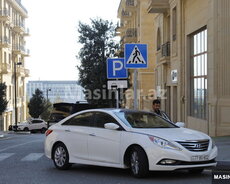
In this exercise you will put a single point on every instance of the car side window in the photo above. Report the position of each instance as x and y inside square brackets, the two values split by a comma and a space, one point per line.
[36, 121]
[80, 120]
[102, 118]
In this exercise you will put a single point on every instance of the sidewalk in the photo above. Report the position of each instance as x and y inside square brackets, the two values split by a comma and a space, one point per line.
[7, 133]
[223, 158]
[2, 134]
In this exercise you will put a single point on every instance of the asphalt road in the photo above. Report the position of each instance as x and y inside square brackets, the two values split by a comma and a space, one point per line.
[22, 161]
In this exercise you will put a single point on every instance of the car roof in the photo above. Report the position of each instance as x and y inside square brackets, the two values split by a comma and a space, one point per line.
[114, 110]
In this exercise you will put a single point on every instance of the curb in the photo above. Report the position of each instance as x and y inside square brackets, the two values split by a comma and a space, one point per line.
[19, 132]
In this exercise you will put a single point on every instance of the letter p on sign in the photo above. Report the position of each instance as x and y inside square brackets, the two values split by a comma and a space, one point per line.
[117, 66]
[116, 69]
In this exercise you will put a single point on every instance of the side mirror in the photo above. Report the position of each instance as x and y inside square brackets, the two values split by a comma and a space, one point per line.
[180, 124]
[111, 126]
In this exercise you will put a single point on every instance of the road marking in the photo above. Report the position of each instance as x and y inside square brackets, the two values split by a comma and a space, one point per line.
[4, 156]
[10, 147]
[32, 157]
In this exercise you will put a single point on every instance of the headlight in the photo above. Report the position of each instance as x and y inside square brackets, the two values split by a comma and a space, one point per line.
[163, 143]
[213, 144]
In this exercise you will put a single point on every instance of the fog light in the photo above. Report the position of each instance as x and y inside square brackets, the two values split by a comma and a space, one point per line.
[167, 162]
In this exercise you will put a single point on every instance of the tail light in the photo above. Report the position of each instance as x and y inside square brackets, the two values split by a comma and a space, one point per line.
[48, 132]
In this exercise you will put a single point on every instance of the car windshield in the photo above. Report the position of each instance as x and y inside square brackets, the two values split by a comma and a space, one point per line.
[138, 119]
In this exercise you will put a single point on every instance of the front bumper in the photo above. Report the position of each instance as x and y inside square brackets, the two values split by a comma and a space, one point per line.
[183, 159]
[19, 128]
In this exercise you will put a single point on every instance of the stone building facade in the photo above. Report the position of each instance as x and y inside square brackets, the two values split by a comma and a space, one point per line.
[12, 59]
[190, 48]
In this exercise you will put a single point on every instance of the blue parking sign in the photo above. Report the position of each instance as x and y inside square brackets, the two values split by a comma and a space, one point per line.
[136, 56]
[116, 68]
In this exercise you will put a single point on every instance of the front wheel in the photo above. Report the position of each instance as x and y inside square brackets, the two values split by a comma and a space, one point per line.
[139, 162]
[43, 130]
[26, 129]
[61, 157]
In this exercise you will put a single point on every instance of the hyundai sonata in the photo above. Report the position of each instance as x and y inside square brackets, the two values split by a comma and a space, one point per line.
[121, 138]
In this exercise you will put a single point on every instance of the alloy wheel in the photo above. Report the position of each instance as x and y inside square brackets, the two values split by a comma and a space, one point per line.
[135, 162]
[60, 156]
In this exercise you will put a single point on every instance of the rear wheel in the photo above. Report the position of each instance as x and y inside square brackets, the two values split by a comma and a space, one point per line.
[61, 157]
[139, 162]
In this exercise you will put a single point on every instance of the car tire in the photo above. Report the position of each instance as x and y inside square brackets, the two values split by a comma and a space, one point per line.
[139, 162]
[26, 129]
[61, 157]
[43, 130]
[196, 170]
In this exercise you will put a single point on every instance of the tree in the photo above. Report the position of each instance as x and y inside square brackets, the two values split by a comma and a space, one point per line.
[3, 102]
[37, 104]
[98, 44]
[48, 109]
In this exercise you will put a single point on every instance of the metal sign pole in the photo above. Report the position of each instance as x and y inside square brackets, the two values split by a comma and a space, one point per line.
[117, 99]
[117, 96]
[135, 90]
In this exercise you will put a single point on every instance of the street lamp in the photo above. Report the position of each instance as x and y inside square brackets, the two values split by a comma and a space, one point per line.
[47, 93]
[15, 94]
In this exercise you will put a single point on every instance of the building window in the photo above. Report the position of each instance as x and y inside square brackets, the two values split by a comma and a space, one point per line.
[174, 23]
[158, 39]
[5, 59]
[198, 73]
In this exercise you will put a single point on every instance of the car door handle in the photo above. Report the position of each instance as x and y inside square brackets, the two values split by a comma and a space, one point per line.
[67, 131]
[92, 134]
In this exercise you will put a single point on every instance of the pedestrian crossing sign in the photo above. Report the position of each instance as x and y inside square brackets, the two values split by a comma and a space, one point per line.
[136, 56]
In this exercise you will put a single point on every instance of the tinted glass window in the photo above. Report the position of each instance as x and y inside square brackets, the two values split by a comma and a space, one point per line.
[80, 120]
[103, 118]
[36, 121]
[144, 120]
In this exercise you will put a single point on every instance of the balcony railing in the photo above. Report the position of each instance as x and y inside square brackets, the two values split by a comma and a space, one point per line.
[158, 6]
[4, 41]
[27, 32]
[4, 12]
[25, 52]
[130, 35]
[131, 32]
[165, 49]
[5, 68]
[125, 13]
[27, 72]
[19, 24]
[130, 3]
[16, 48]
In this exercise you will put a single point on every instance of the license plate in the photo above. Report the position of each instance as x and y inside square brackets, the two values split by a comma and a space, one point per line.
[199, 158]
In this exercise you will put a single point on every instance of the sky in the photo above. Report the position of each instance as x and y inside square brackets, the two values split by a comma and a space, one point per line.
[53, 34]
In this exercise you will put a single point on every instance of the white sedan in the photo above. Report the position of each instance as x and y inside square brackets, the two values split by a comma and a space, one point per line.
[139, 140]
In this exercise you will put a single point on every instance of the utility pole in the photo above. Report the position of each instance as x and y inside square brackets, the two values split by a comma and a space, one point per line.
[15, 94]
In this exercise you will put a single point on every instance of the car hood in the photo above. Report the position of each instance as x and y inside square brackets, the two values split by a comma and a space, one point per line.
[173, 134]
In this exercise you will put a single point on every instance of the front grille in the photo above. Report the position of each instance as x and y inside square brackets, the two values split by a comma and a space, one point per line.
[200, 145]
